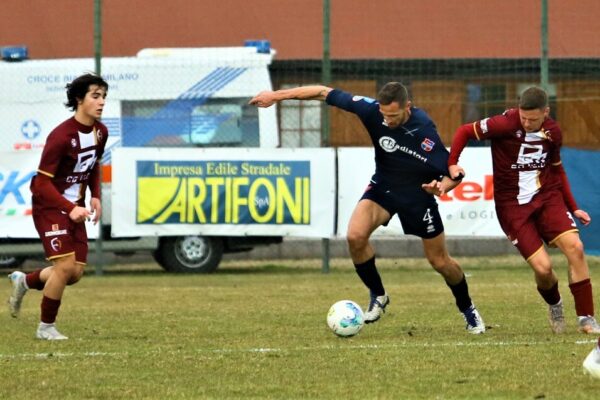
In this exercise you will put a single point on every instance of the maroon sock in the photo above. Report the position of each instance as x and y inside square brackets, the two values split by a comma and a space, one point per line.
[582, 293]
[49, 309]
[551, 296]
[33, 280]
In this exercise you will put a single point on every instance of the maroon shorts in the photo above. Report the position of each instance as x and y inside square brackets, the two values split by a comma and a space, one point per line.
[543, 219]
[60, 235]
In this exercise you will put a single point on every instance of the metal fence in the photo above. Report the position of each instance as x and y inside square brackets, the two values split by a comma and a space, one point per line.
[210, 112]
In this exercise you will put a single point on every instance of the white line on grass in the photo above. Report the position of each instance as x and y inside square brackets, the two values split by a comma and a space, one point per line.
[387, 346]
[50, 355]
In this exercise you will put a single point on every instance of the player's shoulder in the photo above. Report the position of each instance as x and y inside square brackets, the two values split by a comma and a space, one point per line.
[420, 118]
[550, 124]
[63, 129]
[508, 120]
[419, 114]
[101, 126]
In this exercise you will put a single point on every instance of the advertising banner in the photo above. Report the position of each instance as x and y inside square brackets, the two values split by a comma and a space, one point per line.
[467, 210]
[16, 171]
[224, 192]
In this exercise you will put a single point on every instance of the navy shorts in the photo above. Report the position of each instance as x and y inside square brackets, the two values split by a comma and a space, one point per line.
[417, 210]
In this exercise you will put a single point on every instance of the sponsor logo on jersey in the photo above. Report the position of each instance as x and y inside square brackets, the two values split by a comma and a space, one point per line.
[389, 144]
[73, 143]
[55, 233]
[427, 144]
[56, 244]
[483, 125]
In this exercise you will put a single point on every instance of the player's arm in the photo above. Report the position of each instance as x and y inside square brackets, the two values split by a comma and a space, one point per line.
[580, 214]
[268, 98]
[95, 189]
[461, 137]
[43, 188]
[41, 184]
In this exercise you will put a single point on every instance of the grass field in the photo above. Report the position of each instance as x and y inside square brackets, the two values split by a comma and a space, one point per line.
[257, 331]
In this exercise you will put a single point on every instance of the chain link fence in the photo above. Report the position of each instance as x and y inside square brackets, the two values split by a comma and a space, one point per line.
[171, 99]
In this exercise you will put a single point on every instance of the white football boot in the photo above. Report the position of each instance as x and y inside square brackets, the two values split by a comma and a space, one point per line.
[557, 318]
[475, 324]
[588, 325]
[19, 288]
[376, 308]
[49, 332]
[591, 364]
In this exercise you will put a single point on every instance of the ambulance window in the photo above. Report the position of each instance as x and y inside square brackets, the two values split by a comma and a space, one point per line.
[190, 122]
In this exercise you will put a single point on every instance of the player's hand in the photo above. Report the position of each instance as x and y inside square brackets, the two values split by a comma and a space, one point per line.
[96, 207]
[456, 172]
[583, 217]
[263, 99]
[432, 187]
[79, 214]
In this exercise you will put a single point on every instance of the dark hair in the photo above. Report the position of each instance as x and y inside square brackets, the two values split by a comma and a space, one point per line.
[77, 89]
[393, 92]
[533, 98]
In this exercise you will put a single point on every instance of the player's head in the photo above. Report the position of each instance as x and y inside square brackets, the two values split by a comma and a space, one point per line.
[533, 108]
[394, 104]
[79, 88]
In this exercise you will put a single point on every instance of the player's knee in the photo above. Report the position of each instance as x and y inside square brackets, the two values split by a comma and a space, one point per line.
[575, 248]
[357, 240]
[75, 276]
[439, 262]
[543, 270]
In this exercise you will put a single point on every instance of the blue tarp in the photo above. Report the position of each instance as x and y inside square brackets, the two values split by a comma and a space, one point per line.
[583, 169]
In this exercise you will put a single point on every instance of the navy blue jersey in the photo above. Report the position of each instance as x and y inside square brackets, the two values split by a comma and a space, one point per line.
[409, 155]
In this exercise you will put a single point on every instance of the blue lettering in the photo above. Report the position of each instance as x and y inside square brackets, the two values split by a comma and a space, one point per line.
[12, 186]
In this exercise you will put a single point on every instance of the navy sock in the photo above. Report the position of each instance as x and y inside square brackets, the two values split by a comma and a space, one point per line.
[461, 294]
[367, 272]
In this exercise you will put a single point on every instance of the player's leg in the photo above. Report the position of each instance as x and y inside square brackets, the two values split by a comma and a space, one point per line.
[579, 280]
[437, 254]
[64, 269]
[367, 216]
[519, 225]
[547, 284]
[21, 283]
[558, 228]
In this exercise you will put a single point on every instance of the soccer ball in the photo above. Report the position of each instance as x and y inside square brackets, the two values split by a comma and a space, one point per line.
[345, 318]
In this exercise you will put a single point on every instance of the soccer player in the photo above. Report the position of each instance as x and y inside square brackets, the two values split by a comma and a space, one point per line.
[409, 160]
[68, 166]
[533, 199]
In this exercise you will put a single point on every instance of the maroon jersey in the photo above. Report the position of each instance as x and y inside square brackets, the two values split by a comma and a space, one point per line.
[70, 160]
[521, 160]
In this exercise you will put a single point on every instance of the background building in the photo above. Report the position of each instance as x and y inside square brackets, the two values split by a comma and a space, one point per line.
[458, 68]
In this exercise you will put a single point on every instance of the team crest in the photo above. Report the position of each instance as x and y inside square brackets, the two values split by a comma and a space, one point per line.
[73, 143]
[55, 227]
[427, 144]
[56, 244]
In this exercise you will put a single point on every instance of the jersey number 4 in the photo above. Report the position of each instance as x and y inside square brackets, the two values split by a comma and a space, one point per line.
[428, 217]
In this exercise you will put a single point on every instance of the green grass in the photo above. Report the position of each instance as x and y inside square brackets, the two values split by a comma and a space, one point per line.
[257, 331]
